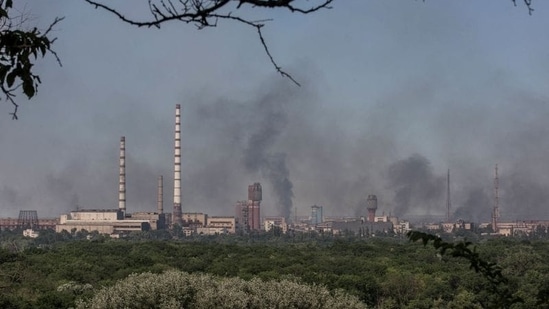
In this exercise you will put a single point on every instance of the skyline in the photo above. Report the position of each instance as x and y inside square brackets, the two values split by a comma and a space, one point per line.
[392, 92]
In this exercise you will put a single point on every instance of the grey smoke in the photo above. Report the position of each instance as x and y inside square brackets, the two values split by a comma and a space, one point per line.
[416, 186]
[306, 150]
[250, 142]
[476, 207]
[260, 154]
[10, 198]
[521, 194]
[275, 170]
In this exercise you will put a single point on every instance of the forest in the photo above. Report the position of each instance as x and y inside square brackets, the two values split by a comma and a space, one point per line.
[78, 269]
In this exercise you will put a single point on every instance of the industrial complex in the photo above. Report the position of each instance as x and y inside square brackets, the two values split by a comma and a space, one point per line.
[247, 218]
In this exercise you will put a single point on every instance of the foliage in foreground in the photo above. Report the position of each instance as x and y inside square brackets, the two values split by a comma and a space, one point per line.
[498, 284]
[176, 289]
[19, 49]
[54, 270]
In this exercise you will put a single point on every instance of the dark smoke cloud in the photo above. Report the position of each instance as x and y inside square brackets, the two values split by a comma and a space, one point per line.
[416, 186]
[259, 155]
[475, 207]
[365, 106]
[275, 170]
[307, 150]
[249, 135]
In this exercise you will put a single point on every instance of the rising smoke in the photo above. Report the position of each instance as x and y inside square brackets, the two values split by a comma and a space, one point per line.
[250, 138]
[306, 150]
[416, 186]
[259, 155]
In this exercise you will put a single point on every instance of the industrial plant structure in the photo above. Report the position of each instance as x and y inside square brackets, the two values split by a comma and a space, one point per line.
[317, 215]
[113, 221]
[279, 223]
[177, 169]
[122, 176]
[28, 219]
[248, 212]
[371, 206]
[120, 220]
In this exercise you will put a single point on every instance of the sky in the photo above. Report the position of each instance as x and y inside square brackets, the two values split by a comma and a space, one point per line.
[393, 94]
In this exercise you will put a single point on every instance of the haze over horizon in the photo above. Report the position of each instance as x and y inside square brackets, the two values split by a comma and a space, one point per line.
[394, 93]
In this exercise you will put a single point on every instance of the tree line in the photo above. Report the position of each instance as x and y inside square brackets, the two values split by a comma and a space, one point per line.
[57, 270]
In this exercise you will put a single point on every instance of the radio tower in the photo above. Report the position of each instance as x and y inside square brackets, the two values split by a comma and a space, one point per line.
[495, 211]
[448, 201]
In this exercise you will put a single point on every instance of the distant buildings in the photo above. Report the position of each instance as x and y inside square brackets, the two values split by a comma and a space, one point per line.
[104, 221]
[317, 215]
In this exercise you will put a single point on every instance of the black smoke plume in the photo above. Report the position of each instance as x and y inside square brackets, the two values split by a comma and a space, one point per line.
[259, 155]
[416, 186]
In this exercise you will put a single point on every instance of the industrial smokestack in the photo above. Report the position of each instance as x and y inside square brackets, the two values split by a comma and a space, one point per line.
[371, 207]
[448, 200]
[160, 196]
[177, 219]
[122, 176]
[495, 211]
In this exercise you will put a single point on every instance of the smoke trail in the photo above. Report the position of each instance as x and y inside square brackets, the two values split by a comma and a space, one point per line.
[258, 156]
[277, 172]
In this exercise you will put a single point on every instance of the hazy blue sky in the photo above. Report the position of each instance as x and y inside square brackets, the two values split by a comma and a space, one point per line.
[394, 93]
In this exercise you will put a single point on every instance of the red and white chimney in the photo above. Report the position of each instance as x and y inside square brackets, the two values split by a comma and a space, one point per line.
[177, 216]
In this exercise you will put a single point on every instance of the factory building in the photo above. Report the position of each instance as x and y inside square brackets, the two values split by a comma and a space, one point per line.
[361, 227]
[365, 227]
[115, 221]
[218, 225]
[104, 221]
[275, 222]
[248, 212]
[156, 221]
[194, 220]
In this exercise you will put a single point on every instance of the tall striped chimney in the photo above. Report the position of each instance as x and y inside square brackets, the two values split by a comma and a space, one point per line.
[177, 219]
[160, 196]
[122, 176]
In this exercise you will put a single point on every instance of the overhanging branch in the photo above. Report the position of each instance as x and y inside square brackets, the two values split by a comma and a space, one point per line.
[206, 13]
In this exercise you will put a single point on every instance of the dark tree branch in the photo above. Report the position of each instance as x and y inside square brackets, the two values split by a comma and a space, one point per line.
[528, 4]
[206, 13]
[19, 49]
[489, 270]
